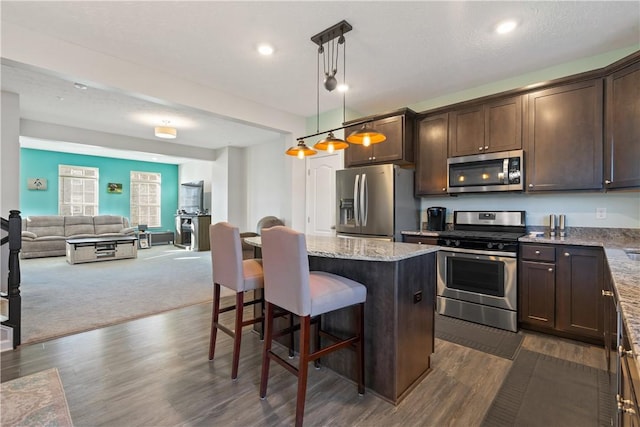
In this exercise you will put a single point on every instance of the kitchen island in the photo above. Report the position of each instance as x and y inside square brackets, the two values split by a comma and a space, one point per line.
[399, 311]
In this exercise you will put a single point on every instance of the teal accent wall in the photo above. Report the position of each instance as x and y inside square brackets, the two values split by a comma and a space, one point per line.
[44, 164]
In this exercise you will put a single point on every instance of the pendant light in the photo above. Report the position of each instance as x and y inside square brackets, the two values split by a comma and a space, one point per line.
[333, 38]
[301, 150]
[330, 144]
[366, 136]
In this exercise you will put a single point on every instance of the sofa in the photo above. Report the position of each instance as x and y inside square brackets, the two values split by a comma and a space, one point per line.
[45, 236]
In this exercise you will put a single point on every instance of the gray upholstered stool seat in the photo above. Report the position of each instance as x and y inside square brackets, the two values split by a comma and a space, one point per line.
[290, 285]
[232, 272]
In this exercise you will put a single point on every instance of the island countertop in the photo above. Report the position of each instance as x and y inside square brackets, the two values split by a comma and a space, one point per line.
[358, 249]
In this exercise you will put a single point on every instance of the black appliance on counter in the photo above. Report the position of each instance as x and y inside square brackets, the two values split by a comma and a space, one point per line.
[477, 267]
[436, 218]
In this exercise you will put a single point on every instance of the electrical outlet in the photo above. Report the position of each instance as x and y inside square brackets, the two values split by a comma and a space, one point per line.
[417, 297]
[601, 213]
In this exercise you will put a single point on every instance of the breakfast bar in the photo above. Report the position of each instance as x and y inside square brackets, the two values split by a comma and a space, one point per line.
[399, 311]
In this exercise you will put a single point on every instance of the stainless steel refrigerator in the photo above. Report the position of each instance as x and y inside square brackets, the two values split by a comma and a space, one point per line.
[376, 202]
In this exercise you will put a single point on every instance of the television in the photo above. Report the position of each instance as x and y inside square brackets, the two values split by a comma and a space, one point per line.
[191, 197]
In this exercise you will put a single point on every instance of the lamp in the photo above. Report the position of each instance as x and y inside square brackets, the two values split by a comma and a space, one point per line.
[301, 150]
[366, 136]
[165, 131]
[329, 42]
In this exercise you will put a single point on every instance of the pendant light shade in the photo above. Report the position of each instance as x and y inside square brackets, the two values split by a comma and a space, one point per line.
[330, 144]
[301, 150]
[366, 136]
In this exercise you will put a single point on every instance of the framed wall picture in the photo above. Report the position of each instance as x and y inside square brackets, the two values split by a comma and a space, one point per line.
[37, 184]
[113, 187]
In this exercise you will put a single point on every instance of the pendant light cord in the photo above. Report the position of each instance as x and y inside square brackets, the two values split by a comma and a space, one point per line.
[320, 52]
[344, 75]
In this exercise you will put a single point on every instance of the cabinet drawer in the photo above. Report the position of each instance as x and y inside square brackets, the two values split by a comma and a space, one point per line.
[427, 240]
[538, 253]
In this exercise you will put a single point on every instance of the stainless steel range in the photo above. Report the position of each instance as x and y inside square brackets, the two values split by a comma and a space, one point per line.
[477, 269]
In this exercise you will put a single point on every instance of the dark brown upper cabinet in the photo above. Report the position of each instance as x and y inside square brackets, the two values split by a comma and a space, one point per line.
[431, 155]
[622, 124]
[398, 148]
[563, 137]
[486, 128]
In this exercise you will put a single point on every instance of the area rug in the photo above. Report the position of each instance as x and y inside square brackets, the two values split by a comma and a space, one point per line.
[34, 400]
[541, 390]
[483, 338]
[61, 299]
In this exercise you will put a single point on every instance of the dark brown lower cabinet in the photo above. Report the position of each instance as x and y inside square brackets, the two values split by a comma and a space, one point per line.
[561, 290]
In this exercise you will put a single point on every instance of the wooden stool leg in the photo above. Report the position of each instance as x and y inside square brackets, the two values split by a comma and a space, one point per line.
[303, 367]
[214, 320]
[291, 333]
[360, 347]
[266, 349]
[316, 363]
[237, 335]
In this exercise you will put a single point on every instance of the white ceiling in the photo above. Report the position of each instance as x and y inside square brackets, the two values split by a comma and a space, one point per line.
[398, 54]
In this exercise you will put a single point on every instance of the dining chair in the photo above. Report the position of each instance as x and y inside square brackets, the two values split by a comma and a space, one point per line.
[232, 272]
[289, 285]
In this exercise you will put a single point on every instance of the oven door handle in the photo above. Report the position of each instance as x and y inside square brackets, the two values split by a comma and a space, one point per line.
[479, 252]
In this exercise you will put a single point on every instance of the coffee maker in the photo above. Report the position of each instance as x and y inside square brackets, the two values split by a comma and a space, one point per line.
[436, 218]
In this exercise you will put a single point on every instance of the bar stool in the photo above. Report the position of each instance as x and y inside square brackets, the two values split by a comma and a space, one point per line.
[290, 286]
[232, 272]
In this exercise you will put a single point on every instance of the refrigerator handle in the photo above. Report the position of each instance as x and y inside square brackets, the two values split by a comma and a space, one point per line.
[356, 202]
[364, 200]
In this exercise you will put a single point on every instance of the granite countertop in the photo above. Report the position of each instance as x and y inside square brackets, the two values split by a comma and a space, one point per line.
[358, 249]
[625, 272]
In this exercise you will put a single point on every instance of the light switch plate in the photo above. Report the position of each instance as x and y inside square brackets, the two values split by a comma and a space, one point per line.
[601, 213]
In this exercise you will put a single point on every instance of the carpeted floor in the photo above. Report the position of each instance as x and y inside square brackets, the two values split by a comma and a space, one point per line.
[35, 400]
[541, 390]
[60, 299]
[479, 337]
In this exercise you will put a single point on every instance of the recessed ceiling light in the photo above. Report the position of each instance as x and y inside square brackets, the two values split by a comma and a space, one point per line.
[80, 86]
[506, 27]
[265, 49]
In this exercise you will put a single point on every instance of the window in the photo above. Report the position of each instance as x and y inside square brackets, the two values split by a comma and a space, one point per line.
[145, 198]
[78, 190]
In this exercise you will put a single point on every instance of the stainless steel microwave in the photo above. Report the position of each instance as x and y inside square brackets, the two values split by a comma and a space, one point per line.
[503, 171]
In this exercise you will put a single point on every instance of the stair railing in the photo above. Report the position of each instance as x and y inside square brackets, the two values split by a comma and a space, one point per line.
[13, 226]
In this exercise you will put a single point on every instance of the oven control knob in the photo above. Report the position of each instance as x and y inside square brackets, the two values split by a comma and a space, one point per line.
[489, 245]
[500, 246]
[447, 242]
[457, 242]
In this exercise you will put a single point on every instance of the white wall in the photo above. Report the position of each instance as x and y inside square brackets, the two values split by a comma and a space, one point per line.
[266, 180]
[9, 168]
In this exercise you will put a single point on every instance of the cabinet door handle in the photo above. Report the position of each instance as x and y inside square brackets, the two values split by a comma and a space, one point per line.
[486, 147]
[374, 157]
[567, 254]
[480, 148]
[550, 269]
[622, 352]
[607, 293]
[606, 181]
[537, 252]
[530, 185]
[444, 189]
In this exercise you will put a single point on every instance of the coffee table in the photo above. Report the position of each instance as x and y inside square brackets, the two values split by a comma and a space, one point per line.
[101, 249]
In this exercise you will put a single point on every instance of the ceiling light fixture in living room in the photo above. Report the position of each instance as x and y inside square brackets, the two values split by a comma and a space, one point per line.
[165, 131]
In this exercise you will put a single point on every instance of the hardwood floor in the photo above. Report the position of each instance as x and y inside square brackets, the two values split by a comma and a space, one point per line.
[154, 372]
